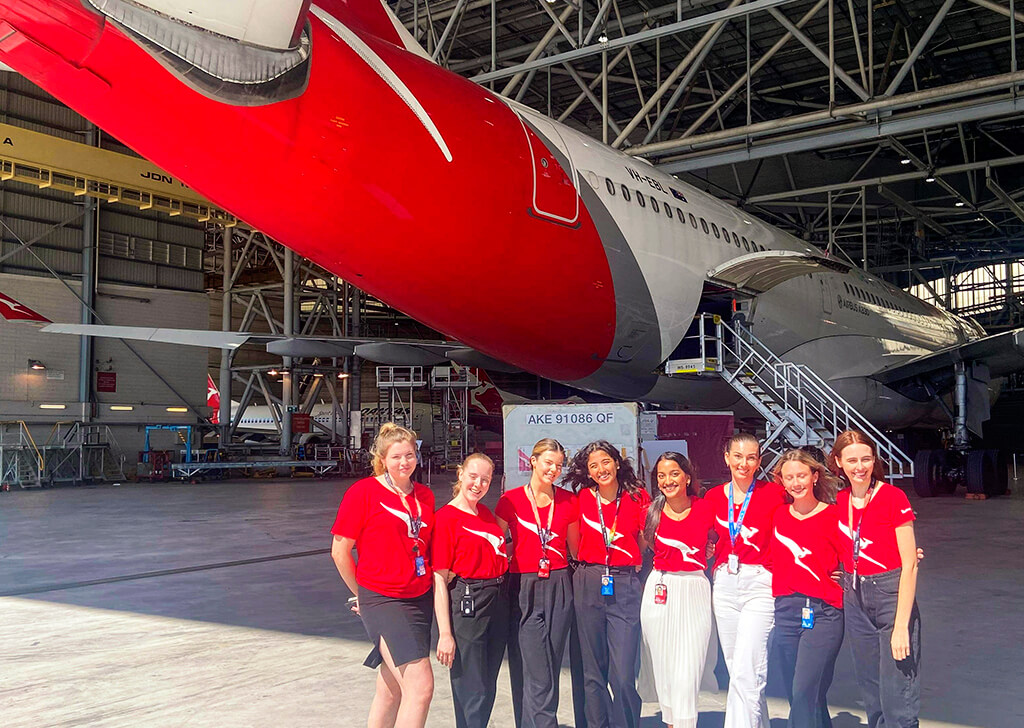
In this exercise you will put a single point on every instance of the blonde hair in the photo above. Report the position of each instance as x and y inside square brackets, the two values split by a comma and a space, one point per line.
[465, 464]
[548, 444]
[388, 435]
[827, 484]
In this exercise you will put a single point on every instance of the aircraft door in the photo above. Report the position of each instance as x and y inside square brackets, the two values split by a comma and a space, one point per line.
[826, 295]
[555, 192]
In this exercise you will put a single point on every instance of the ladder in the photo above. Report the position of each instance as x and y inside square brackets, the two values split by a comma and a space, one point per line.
[452, 428]
[21, 463]
[799, 407]
[395, 386]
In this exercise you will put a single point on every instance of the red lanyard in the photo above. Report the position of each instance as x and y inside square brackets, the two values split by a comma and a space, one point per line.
[608, 538]
[415, 522]
[544, 533]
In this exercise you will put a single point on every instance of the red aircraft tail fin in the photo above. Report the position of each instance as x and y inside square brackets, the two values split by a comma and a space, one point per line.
[14, 311]
[213, 399]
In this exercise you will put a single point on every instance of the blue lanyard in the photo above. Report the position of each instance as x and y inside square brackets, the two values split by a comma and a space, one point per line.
[735, 526]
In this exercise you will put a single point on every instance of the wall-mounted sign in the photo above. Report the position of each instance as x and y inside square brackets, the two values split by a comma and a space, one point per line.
[106, 381]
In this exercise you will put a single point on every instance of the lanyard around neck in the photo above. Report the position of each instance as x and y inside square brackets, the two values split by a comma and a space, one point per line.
[415, 522]
[855, 535]
[736, 525]
[544, 533]
[608, 538]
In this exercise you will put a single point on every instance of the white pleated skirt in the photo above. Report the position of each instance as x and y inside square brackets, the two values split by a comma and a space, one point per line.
[675, 647]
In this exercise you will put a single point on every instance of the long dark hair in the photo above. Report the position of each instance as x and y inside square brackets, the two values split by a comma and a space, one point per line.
[578, 475]
[654, 512]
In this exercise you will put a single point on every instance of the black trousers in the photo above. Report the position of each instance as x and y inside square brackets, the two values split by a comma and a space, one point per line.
[609, 628]
[479, 647]
[891, 689]
[541, 615]
[807, 657]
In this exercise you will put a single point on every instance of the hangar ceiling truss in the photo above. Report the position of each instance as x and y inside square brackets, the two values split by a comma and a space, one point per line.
[883, 129]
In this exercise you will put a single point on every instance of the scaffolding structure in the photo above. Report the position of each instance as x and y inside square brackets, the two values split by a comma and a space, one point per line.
[396, 387]
[451, 385]
[74, 453]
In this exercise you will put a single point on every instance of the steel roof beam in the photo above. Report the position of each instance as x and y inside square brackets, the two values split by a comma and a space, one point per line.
[699, 21]
[913, 211]
[919, 48]
[999, 192]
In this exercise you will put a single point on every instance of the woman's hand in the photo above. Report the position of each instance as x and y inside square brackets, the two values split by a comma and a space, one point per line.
[353, 604]
[446, 649]
[900, 643]
[920, 555]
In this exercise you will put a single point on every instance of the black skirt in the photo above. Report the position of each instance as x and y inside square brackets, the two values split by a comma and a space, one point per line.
[404, 624]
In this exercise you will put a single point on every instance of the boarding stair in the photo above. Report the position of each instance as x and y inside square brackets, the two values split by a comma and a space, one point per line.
[800, 408]
[21, 462]
[449, 392]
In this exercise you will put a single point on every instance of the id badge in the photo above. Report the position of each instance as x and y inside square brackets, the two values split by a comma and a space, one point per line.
[807, 617]
[607, 585]
[544, 569]
[421, 566]
[660, 594]
[733, 565]
[467, 606]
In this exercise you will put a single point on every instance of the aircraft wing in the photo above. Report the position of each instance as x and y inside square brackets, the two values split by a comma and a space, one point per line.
[400, 352]
[1002, 353]
[762, 271]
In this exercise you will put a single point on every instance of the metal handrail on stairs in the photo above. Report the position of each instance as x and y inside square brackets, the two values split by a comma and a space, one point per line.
[799, 407]
[21, 462]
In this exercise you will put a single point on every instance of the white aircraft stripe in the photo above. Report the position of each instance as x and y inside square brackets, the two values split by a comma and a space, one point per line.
[385, 73]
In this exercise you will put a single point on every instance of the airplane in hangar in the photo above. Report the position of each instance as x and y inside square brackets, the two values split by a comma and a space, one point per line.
[573, 261]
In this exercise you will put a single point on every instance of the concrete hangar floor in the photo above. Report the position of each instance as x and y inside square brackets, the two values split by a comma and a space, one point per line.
[218, 605]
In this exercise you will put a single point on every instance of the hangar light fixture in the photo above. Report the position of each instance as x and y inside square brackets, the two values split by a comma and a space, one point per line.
[905, 160]
[929, 178]
[178, 410]
[53, 406]
[959, 203]
[273, 372]
[603, 38]
[344, 375]
[36, 364]
[121, 408]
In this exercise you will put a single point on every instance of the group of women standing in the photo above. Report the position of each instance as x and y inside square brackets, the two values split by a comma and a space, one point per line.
[552, 555]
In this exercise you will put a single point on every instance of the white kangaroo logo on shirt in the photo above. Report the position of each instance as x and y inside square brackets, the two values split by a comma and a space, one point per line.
[597, 527]
[401, 516]
[864, 543]
[746, 533]
[685, 549]
[497, 543]
[533, 527]
[798, 551]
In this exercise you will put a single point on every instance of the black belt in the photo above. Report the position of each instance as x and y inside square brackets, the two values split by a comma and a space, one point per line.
[611, 569]
[481, 583]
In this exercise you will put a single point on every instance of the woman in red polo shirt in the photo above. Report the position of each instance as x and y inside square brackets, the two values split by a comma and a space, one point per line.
[471, 594]
[676, 610]
[883, 624]
[808, 603]
[388, 520]
[606, 583]
[542, 520]
[742, 595]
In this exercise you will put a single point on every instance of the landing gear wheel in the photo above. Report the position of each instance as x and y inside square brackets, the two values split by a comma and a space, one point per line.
[929, 473]
[980, 472]
[998, 485]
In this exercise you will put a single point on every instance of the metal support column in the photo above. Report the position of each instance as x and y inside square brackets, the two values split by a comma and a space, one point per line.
[287, 381]
[224, 414]
[89, 278]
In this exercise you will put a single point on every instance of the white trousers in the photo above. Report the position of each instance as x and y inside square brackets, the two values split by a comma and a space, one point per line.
[674, 648]
[745, 615]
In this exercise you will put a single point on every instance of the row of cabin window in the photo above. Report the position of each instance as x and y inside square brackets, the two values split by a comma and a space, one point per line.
[872, 298]
[709, 229]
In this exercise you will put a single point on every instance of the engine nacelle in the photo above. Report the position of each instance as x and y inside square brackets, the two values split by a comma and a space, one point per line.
[272, 24]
